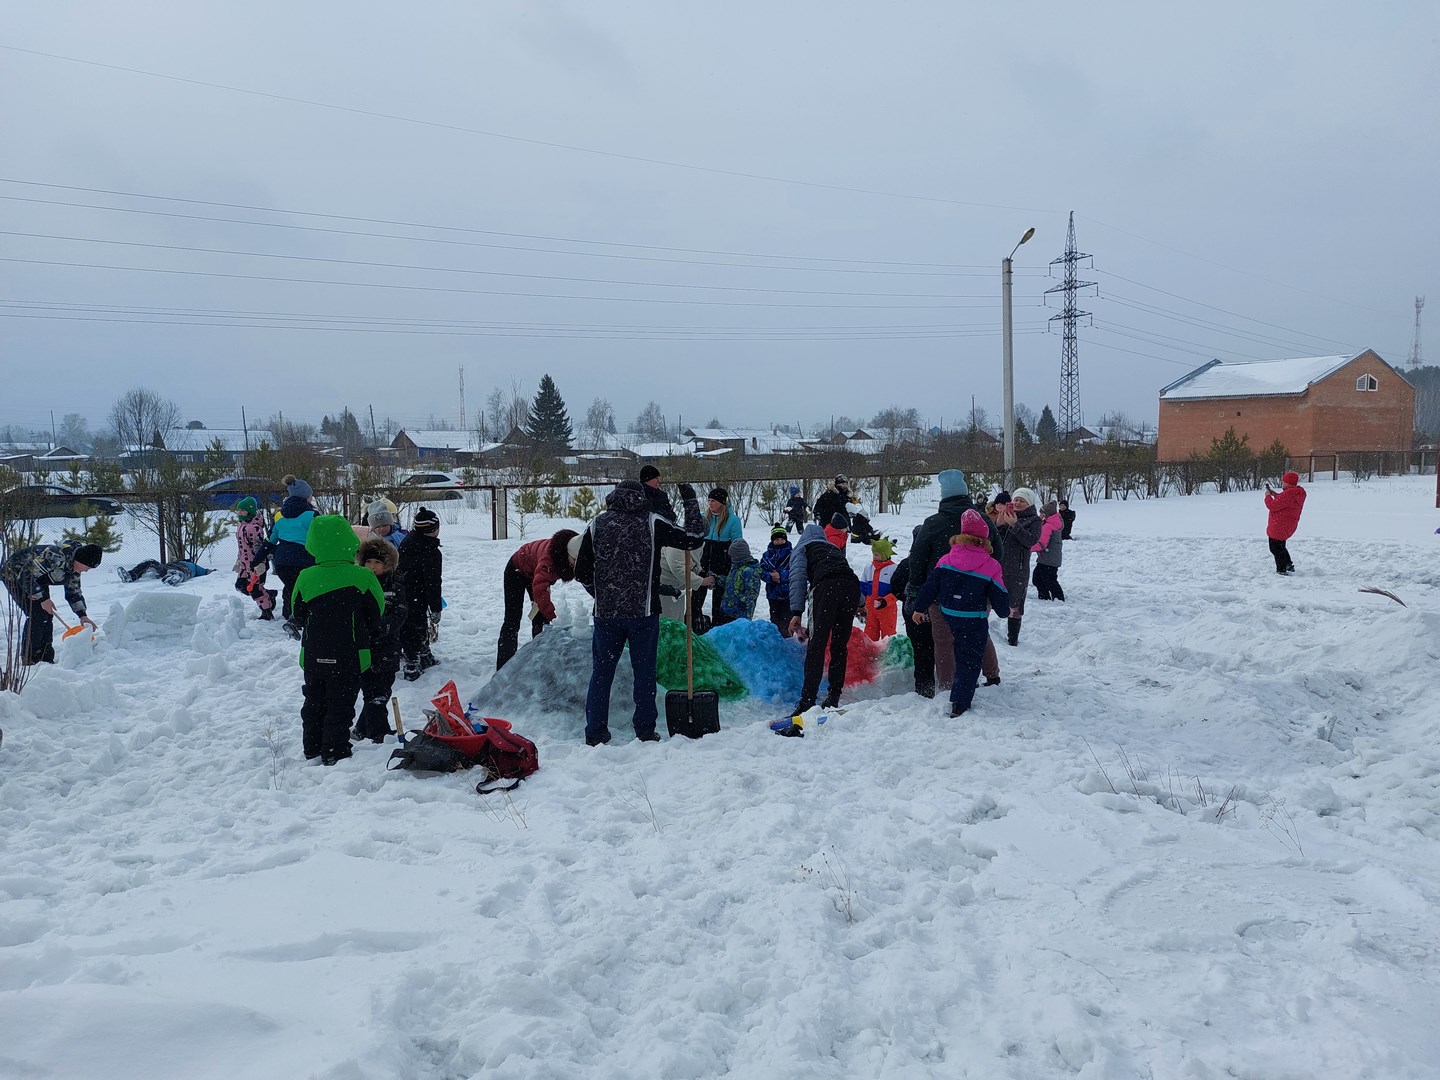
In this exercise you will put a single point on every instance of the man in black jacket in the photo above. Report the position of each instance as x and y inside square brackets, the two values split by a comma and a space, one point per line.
[932, 540]
[819, 567]
[835, 499]
[619, 565]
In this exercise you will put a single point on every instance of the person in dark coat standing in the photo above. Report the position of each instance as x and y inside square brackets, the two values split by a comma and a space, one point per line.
[1068, 517]
[1284, 506]
[932, 540]
[922, 645]
[835, 499]
[619, 565]
[377, 683]
[659, 501]
[421, 565]
[28, 575]
[819, 568]
[1020, 526]
[796, 510]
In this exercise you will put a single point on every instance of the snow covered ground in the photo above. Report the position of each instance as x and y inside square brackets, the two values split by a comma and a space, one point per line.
[1195, 833]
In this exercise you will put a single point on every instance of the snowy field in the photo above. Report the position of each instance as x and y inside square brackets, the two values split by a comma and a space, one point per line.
[1195, 833]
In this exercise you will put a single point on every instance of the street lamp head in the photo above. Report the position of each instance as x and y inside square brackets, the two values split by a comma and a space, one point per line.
[1028, 233]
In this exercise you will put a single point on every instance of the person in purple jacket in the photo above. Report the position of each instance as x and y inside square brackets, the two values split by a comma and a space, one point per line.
[966, 584]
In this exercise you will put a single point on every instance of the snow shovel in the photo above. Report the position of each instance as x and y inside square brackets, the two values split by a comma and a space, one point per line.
[688, 713]
[70, 631]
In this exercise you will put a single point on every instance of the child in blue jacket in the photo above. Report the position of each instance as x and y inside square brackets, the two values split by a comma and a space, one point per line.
[775, 572]
[967, 584]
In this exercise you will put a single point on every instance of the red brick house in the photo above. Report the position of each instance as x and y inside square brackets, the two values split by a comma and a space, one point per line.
[1314, 405]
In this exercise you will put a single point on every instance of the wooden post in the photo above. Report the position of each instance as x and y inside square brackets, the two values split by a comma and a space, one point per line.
[160, 526]
[1310, 474]
[1335, 469]
[880, 496]
[500, 514]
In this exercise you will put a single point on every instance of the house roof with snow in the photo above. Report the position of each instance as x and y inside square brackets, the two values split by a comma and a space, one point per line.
[433, 439]
[1255, 378]
[750, 440]
[232, 440]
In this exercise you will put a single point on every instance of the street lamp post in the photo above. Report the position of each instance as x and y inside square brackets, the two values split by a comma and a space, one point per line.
[1007, 333]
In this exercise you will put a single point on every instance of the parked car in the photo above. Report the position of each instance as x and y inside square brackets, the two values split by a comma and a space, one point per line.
[448, 484]
[54, 500]
[224, 494]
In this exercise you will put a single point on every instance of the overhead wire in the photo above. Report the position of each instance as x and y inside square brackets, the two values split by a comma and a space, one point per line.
[851, 266]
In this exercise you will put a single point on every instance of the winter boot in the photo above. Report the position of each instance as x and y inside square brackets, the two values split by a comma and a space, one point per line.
[992, 680]
[123, 574]
[957, 710]
[1013, 625]
[832, 701]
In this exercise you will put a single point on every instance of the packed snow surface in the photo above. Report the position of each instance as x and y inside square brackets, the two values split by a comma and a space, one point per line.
[1194, 833]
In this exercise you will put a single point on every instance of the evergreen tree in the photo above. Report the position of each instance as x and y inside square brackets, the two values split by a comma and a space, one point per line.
[548, 423]
[1046, 429]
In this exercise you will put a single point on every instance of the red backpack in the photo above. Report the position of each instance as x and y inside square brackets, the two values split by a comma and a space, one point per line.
[503, 754]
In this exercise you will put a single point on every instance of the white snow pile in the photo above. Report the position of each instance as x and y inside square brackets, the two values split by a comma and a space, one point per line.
[1194, 833]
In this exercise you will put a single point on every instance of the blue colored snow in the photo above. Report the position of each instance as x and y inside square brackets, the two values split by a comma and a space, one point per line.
[770, 665]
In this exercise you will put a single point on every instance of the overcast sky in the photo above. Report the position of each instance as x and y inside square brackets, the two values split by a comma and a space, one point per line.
[762, 211]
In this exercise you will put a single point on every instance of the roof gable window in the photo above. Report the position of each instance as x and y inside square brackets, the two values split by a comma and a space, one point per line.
[1366, 382]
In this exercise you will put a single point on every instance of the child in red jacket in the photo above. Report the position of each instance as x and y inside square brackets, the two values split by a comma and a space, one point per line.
[1284, 506]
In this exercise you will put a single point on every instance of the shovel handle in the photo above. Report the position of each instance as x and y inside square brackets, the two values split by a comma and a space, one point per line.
[399, 724]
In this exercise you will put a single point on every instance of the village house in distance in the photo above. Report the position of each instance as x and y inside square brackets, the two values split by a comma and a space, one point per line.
[1313, 405]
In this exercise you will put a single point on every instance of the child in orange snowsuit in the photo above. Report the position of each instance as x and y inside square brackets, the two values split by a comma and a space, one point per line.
[880, 601]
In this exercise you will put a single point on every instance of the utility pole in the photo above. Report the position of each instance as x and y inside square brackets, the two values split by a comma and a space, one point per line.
[1070, 417]
[374, 439]
[462, 397]
[1008, 360]
[1414, 346]
[245, 428]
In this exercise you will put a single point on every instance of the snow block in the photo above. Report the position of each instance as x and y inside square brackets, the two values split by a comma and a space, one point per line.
[159, 613]
[771, 666]
[545, 684]
[711, 672]
[899, 652]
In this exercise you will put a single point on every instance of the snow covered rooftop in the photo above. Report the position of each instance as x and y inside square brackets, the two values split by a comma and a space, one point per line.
[1255, 378]
[233, 440]
[441, 440]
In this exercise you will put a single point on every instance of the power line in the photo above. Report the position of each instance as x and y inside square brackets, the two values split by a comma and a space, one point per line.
[953, 270]
[479, 273]
[1212, 307]
[439, 125]
[471, 292]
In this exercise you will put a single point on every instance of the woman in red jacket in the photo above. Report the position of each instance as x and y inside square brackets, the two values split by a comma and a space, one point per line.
[531, 571]
[1284, 506]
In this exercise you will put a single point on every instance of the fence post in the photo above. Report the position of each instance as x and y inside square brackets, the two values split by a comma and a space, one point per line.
[1107, 481]
[500, 514]
[1310, 473]
[880, 494]
[160, 526]
[1335, 469]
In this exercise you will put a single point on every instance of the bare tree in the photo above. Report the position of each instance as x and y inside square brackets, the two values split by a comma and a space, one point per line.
[651, 421]
[75, 432]
[893, 421]
[139, 417]
[288, 433]
[599, 422]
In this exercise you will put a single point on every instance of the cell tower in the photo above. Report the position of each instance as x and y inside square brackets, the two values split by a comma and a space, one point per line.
[462, 397]
[1070, 418]
[1415, 345]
